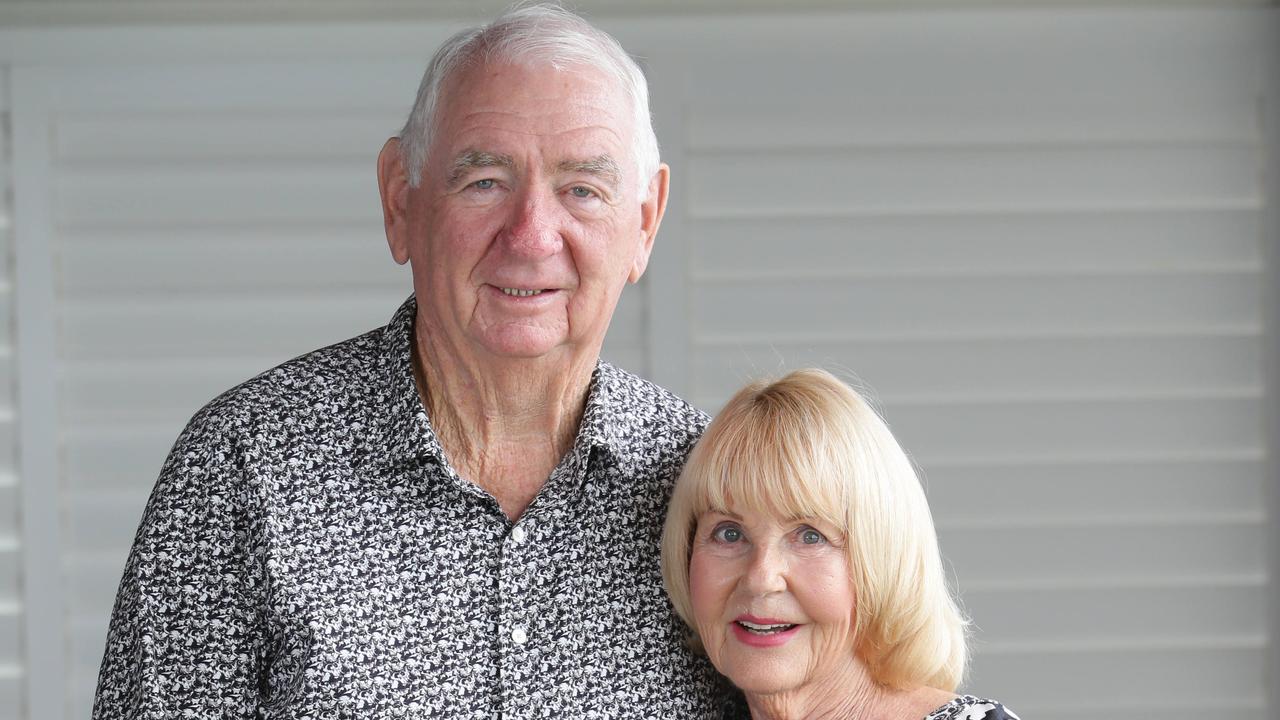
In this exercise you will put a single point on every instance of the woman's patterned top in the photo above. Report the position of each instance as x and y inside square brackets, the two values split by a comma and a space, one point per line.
[968, 707]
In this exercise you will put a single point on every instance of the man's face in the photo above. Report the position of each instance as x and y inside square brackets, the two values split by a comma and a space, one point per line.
[528, 221]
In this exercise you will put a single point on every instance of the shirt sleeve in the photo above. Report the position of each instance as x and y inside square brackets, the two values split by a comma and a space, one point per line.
[186, 636]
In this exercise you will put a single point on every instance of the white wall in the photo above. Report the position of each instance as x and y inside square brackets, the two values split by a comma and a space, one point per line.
[1037, 236]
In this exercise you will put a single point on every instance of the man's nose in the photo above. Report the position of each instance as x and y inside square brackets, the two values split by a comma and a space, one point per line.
[534, 228]
[767, 571]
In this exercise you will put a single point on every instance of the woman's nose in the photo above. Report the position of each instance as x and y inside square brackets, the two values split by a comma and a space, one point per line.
[767, 571]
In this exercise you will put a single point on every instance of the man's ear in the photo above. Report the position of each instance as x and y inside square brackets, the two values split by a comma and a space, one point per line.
[393, 185]
[651, 210]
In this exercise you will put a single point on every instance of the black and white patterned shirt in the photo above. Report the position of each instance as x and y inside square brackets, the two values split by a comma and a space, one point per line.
[971, 707]
[308, 552]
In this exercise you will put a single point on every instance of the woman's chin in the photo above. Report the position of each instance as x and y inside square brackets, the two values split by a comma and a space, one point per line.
[764, 679]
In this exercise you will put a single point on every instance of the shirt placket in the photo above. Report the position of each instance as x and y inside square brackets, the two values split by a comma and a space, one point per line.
[518, 631]
[524, 633]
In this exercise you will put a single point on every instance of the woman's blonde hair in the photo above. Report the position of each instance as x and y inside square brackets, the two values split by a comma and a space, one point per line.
[808, 445]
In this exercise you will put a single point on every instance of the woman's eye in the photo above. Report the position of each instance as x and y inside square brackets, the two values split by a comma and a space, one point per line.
[727, 534]
[809, 536]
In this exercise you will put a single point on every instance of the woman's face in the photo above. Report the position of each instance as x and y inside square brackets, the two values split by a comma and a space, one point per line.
[772, 599]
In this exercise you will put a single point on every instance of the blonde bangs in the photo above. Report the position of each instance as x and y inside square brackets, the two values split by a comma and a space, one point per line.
[762, 456]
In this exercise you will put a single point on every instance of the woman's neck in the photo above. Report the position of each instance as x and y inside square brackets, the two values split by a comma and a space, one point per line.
[849, 694]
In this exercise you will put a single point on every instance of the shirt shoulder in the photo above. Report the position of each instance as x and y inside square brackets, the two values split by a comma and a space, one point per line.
[970, 707]
[648, 399]
[645, 406]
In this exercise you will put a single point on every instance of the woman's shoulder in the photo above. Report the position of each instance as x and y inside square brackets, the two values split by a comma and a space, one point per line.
[969, 707]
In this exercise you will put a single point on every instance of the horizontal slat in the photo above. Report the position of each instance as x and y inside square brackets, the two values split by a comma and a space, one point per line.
[10, 635]
[80, 691]
[92, 580]
[11, 695]
[917, 119]
[1115, 614]
[1160, 677]
[1055, 59]
[1252, 710]
[1054, 243]
[88, 637]
[8, 458]
[6, 322]
[1095, 430]
[10, 496]
[10, 572]
[158, 391]
[629, 326]
[990, 556]
[192, 325]
[120, 458]
[783, 310]
[8, 376]
[141, 196]
[221, 137]
[632, 358]
[879, 180]
[200, 259]
[217, 85]
[1094, 489]
[102, 522]
[1025, 367]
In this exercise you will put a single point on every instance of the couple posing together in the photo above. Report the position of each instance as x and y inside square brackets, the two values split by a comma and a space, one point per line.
[467, 514]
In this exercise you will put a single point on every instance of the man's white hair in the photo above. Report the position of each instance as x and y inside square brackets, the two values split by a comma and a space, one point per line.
[542, 33]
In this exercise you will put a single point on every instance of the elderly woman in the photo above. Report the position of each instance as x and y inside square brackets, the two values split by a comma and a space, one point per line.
[800, 549]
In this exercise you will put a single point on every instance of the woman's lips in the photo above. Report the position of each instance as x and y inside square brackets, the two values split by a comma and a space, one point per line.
[763, 632]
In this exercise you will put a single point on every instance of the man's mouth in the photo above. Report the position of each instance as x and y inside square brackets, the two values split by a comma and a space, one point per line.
[520, 292]
[761, 629]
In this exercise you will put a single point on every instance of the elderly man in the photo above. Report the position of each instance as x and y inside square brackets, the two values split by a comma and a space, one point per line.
[458, 514]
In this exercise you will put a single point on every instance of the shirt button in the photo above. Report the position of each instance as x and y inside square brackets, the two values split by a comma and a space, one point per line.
[519, 636]
[518, 534]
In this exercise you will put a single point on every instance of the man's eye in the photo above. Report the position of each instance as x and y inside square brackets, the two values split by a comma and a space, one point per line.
[727, 534]
[581, 191]
[486, 184]
[809, 536]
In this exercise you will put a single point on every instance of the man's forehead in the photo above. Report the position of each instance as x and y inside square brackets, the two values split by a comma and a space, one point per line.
[541, 98]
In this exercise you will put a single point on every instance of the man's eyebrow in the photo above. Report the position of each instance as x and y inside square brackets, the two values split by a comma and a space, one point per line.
[472, 159]
[601, 166]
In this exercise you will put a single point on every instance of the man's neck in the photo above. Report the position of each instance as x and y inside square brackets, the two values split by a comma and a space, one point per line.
[504, 424]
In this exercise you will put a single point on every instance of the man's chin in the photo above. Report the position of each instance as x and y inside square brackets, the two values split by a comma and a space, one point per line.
[516, 343]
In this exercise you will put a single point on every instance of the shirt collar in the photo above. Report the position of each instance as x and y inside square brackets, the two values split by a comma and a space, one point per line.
[404, 436]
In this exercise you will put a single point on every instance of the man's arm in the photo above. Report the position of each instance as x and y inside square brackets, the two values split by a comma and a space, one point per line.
[186, 636]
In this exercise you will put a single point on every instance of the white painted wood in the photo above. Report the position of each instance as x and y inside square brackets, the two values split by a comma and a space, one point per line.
[1154, 678]
[37, 357]
[1270, 240]
[879, 307]
[938, 369]
[669, 336]
[911, 245]
[1137, 615]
